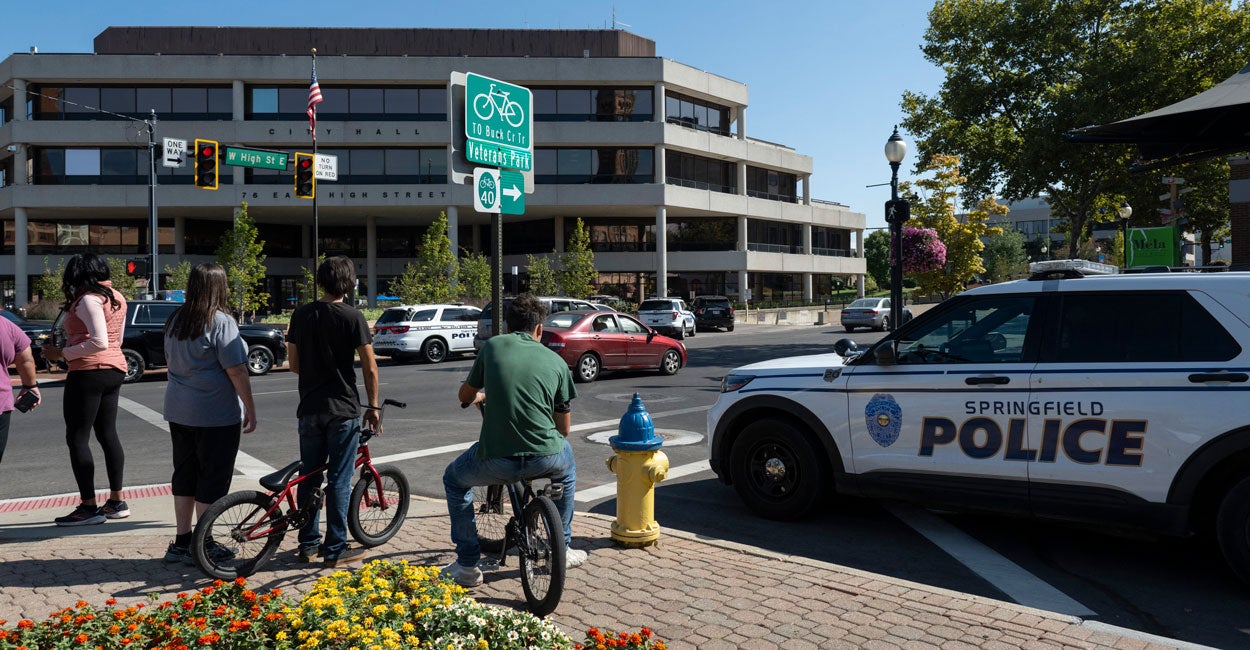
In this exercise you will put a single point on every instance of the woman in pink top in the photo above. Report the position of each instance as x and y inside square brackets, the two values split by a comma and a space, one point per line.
[95, 316]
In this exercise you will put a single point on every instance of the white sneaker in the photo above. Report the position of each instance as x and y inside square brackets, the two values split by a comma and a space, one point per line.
[465, 576]
[574, 558]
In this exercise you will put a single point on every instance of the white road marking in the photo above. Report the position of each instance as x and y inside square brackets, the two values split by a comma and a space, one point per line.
[609, 489]
[421, 453]
[1010, 578]
[248, 466]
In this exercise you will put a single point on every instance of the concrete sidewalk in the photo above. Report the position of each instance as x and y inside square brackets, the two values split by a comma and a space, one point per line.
[694, 592]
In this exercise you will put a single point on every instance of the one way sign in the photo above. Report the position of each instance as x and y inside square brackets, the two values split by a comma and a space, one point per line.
[175, 153]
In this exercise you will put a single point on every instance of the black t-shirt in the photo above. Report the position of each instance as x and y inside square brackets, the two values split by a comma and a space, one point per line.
[326, 335]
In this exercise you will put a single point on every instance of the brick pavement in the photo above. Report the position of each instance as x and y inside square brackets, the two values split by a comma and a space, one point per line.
[694, 592]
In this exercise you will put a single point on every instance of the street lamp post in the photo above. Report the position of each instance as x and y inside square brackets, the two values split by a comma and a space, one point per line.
[897, 212]
[1126, 211]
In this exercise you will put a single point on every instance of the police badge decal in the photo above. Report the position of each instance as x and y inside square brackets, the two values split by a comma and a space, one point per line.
[884, 418]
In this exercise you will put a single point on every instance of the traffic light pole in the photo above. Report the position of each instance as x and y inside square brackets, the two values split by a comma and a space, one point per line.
[153, 282]
[316, 242]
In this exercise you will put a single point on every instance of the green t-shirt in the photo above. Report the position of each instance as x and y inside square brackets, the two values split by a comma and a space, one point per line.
[523, 381]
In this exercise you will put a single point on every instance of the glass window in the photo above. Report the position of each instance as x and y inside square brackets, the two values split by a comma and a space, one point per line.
[293, 100]
[545, 162]
[644, 102]
[434, 101]
[575, 101]
[264, 100]
[714, 121]
[982, 331]
[368, 162]
[403, 162]
[72, 235]
[544, 101]
[221, 100]
[81, 100]
[424, 315]
[82, 162]
[434, 164]
[190, 100]
[333, 102]
[574, 162]
[1105, 328]
[152, 99]
[402, 101]
[631, 326]
[366, 101]
[672, 106]
[121, 162]
[118, 100]
[605, 324]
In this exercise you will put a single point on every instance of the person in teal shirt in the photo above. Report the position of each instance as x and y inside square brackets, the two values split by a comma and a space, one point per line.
[525, 425]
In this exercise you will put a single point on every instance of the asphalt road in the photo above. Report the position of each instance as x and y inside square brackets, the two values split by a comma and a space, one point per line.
[1173, 588]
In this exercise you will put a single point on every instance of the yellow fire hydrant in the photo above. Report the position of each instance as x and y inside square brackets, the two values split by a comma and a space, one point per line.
[639, 465]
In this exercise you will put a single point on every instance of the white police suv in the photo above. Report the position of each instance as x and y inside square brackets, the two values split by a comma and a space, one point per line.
[1119, 400]
[425, 332]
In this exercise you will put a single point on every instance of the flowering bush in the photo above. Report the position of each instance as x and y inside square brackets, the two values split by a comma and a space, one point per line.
[922, 250]
[643, 639]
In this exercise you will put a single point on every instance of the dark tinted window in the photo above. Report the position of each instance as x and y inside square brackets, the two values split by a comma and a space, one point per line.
[1137, 327]
[392, 316]
[656, 305]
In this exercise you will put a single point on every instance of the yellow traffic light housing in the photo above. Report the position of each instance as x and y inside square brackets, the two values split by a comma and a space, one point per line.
[206, 174]
[305, 178]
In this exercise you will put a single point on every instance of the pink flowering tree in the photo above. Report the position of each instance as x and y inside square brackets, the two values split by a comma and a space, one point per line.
[922, 250]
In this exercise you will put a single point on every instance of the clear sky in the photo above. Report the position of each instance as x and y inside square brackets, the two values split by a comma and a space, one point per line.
[825, 76]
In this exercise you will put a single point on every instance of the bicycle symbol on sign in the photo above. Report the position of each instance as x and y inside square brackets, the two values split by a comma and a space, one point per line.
[485, 104]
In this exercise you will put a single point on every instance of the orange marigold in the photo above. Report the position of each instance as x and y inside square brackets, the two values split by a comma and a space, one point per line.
[81, 638]
[110, 602]
[25, 624]
[240, 581]
[80, 604]
[114, 629]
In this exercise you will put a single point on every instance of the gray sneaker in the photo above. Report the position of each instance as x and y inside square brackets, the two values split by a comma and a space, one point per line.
[465, 576]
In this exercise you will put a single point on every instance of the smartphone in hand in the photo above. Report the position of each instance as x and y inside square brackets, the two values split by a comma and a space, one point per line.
[26, 401]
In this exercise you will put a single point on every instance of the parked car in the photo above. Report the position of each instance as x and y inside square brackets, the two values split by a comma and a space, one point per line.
[872, 313]
[427, 332]
[143, 342]
[38, 331]
[668, 316]
[593, 341]
[713, 311]
[555, 305]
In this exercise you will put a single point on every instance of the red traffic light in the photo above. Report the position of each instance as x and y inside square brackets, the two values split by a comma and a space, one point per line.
[207, 151]
[305, 163]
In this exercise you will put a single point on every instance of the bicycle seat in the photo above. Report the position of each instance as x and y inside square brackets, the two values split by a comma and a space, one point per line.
[278, 480]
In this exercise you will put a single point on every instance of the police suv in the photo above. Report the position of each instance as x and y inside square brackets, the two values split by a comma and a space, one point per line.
[1120, 400]
[426, 332]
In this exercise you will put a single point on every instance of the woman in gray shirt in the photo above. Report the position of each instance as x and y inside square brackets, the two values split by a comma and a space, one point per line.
[208, 402]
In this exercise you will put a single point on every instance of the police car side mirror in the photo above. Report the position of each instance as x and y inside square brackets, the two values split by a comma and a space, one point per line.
[846, 347]
[887, 354]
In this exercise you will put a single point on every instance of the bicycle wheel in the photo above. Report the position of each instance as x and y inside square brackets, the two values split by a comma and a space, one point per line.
[515, 115]
[374, 518]
[492, 509]
[542, 556]
[236, 537]
[483, 106]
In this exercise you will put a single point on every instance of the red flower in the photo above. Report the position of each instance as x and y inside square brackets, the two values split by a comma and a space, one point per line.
[81, 638]
[207, 591]
[110, 602]
[240, 581]
[249, 595]
[80, 604]
[188, 604]
[646, 632]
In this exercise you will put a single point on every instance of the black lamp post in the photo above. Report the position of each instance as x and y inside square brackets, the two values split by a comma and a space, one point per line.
[897, 212]
[1126, 211]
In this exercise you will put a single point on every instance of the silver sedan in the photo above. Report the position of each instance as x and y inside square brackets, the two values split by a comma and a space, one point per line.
[872, 313]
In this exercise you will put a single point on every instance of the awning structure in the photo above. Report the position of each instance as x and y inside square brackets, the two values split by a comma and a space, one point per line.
[1213, 123]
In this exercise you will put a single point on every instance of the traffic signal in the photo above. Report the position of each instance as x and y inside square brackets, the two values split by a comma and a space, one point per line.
[305, 180]
[206, 164]
[137, 268]
[897, 211]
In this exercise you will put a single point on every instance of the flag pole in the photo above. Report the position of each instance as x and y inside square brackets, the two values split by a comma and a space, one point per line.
[316, 253]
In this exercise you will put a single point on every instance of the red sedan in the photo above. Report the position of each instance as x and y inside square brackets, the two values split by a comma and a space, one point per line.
[594, 341]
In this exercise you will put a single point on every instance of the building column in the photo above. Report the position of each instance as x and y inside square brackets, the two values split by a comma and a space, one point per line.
[742, 177]
[19, 101]
[807, 239]
[21, 169]
[557, 223]
[661, 166]
[859, 286]
[742, 122]
[743, 278]
[238, 104]
[371, 259]
[21, 274]
[807, 189]
[180, 237]
[808, 293]
[659, 99]
[661, 252]
[741, 244]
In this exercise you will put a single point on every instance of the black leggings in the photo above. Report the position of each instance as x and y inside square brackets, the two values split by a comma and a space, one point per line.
[91, 401]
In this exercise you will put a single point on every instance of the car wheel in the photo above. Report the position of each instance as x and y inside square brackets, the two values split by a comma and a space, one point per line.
[434, 350]
[693, 330]
[731, 328]
[848, 329]
[259, 360]
[1232, 529]
[134, 366]
[885, 324]
[671, 363]
[680, 333]
[587, 368]
[776, 469]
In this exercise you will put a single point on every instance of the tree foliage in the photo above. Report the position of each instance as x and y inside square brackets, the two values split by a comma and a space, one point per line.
[475, 276]
[1020, 73]
[176, 276]
[431, 278]
[48, 284]
[541, 276]
[578, 275]
[241, 254]
[307, 290]
[1004, 256]
[936, 210]
[877, 256]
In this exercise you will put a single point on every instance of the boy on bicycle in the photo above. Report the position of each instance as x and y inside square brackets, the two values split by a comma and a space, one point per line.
[524, 429]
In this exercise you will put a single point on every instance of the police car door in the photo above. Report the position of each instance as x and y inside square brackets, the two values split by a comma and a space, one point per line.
[950, 417]
[460, 324]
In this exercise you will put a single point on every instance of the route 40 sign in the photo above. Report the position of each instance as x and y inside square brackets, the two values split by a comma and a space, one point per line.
[496, 191]
[498, 124]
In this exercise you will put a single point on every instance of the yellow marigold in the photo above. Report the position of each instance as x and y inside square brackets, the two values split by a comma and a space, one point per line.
[482, 644]
[281, 636]
[303, 634]
[379, 610]
[407, 627]
[397, 608]
[412, 641]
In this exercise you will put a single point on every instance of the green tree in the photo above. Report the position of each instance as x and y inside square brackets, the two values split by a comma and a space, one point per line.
[877, 256]
[431, 278]
[961, 237]
[307, 290]
[1004, 256]
[1021, 73]
[578, 275]
[541, 276]
[241, 254]
[48, 284]
[176, 276]
[475, 276]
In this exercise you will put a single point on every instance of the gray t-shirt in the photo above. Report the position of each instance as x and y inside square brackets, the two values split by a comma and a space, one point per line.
[199, 393]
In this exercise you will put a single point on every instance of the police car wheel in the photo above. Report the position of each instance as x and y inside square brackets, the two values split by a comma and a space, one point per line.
[587, 368]
[680, 333]
[434, 350]
[776, 470]
[1232, 529]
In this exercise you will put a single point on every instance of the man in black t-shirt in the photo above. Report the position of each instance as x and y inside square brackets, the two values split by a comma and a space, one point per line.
[322, 342]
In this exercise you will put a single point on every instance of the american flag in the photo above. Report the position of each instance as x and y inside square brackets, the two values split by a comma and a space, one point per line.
[314, 98]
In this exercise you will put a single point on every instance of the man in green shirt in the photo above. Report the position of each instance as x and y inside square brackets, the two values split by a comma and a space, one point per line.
[525, 424]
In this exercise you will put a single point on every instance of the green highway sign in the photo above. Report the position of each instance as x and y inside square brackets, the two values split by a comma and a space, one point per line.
[511, 192]
[256, 158]
[498, 127]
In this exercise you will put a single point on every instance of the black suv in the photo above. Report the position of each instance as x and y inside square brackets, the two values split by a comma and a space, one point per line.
[38, 331]
[713, 311]
[143, 343]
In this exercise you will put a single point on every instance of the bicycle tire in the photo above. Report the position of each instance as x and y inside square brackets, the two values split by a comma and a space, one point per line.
[369, 523]
[516, 111]
[226, 522]
[489, 105]
[492, 509]
[542, 556]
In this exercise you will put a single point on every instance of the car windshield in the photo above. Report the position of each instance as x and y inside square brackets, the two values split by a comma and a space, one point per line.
[656, 305]
[392, 316]
[865, 303]
[562, 320]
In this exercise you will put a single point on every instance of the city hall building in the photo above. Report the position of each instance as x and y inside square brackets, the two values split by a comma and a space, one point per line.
[654, 156]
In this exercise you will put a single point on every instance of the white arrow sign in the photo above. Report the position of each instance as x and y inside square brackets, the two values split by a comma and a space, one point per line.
[513, 192]
[175, 153]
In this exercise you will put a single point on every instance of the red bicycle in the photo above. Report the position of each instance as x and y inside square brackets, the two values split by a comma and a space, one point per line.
[240, 532]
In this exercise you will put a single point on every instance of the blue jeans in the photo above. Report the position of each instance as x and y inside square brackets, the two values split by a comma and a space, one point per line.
[468, 471]
[332, 441]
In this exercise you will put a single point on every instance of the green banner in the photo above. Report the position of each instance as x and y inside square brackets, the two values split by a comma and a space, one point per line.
[1153, 247]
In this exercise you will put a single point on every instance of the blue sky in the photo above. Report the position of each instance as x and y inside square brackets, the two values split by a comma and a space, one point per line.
[825, 76]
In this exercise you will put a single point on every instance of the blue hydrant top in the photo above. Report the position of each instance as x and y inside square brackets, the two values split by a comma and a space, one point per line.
[636, 432]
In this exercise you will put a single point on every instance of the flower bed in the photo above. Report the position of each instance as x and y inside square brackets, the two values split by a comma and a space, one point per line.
[383, 605]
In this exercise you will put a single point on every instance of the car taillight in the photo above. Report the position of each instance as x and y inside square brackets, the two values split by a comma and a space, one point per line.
[699, 311]
[674, 315]
[553, 341]
[398, 329]
[731, 311]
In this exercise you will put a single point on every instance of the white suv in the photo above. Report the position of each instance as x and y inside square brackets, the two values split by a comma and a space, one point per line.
[668, 316]
[427, 332]
[1120, 401]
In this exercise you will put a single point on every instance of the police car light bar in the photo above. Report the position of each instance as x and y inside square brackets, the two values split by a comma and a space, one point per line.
[1084, 267]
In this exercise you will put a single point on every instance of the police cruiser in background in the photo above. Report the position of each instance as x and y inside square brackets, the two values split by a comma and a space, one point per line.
[426, 332]
[1078, 394]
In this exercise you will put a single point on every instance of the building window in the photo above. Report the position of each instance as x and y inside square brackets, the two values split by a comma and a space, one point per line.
[702, 234]
[354, 103]
[521, 237]
[115, 166]
[774, 236]
[370, 166]
[771, 184]
[689, 170]
[696, 113]
[566, 165]
[136, 102]
[831, 242]
[593, 105]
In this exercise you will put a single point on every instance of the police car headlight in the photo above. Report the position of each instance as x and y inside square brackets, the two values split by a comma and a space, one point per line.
[730, 383]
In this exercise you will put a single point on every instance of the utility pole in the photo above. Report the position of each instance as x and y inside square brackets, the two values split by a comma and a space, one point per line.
[153, 240]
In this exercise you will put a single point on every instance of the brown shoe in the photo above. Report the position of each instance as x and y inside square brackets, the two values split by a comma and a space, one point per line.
[350, 555]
